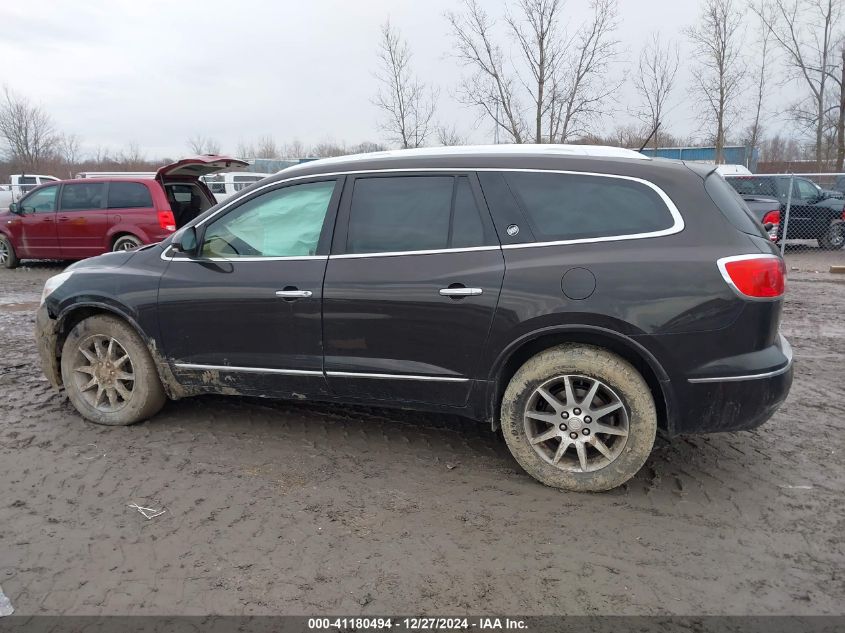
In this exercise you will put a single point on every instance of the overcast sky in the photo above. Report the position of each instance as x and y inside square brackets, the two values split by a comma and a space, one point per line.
[155, 72]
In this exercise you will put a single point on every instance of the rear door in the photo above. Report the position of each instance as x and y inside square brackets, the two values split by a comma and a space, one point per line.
[410, 289]
[130, 208]
[82, 220]
[38, 236]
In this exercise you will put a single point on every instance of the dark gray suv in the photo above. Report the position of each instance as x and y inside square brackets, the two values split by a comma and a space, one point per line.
[579, 298]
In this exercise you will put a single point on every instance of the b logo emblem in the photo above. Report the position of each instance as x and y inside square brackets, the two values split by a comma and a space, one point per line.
[513, 229]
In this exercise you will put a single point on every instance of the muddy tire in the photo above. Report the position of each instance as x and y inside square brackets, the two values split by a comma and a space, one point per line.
[579, 418]
[8, 257]
[108, 373]
[834, 239]
[126, 243]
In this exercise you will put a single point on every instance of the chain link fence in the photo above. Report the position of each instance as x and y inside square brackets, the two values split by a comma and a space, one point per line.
[803, 213]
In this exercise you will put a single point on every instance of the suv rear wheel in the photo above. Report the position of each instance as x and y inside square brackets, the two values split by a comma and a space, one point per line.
[8, 257]
[126, 243]
[109, 374]
[579, 418]
[834, 239]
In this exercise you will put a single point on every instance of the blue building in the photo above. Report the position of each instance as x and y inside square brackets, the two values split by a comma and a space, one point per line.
[733, 155]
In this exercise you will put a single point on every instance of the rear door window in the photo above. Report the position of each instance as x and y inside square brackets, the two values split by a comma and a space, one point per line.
[129, 195]
[562, 207]
[82, 196]
[413, 213]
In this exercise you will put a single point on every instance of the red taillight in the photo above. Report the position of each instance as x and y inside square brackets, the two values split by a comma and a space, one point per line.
[772, 217]
[756, 276]
[843, 214]
[166, 220]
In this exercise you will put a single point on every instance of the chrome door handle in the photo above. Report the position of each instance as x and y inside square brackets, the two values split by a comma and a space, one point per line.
[293, 294]
[460, 292]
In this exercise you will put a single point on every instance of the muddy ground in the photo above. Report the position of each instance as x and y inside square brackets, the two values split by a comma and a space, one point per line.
[298, 509]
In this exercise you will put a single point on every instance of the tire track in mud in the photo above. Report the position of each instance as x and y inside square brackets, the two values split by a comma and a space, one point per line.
[297, 508]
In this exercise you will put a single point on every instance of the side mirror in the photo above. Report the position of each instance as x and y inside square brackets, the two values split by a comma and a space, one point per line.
[13, 208]
[186, 241]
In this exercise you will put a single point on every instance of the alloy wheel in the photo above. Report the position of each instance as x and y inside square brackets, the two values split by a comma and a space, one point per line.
[104, 373]
[4, 252]
[126, 244]
[576, 423]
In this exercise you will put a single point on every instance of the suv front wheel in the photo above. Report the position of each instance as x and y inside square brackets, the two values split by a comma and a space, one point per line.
[108, 372]
[580, 418]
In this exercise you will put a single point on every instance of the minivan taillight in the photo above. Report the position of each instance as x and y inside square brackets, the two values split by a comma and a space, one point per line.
[166, 220]
[755, 276]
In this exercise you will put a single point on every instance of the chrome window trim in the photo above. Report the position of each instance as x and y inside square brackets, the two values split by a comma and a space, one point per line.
[355, 374]
[249, 370]
[677, 227]
[172, 258]
[433, 251]
[766, 374]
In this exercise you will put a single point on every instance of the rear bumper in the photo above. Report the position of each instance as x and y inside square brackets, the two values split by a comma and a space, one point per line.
[740, 397]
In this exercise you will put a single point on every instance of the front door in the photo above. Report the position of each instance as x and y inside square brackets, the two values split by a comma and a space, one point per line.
[245, 313]
[82, 220]
[38, 238]
[411, 288]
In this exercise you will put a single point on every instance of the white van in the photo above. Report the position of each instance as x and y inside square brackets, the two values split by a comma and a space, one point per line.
[19, 185]
[228, 184]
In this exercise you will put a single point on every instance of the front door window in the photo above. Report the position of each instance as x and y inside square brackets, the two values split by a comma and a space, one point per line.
[281, 223]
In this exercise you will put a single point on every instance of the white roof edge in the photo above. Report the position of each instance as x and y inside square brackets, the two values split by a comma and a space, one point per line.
[605, 151]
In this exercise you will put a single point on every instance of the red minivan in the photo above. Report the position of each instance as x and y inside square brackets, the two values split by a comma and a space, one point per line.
[75, 219]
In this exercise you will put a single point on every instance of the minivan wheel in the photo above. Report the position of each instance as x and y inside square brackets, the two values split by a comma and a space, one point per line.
[580, 418]
[108, 373]
[834, 239]
[126, 243]
[8, 257]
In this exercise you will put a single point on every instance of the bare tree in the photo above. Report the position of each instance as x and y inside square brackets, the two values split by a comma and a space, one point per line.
[245, 150]
[490, 87]
[840, 121]
[367, 147]
[755, 131]
[564, 78]
[294, 149]
[132, 157]
[804, 31]
[266, 148]
[27, 130]
[583, 88]
[406, 103]
[536, 33]
[448, 135]
[327, 149]
[719, 70]
[69, 150]
[199, 144]
[654, 83]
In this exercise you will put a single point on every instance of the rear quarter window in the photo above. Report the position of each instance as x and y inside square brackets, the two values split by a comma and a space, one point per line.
[732, 206]
[128, 195]
[578, 206]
